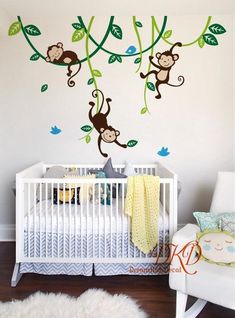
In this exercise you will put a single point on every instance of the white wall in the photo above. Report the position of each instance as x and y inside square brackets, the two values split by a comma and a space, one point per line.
[195, 121]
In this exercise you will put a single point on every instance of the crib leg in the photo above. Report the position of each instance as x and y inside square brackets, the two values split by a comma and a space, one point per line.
[16, 276]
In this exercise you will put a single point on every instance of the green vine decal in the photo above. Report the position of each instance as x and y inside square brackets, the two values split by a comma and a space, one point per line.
[203, 38]
[121, 54]
[18, 26]
[145, 109]
[137, 24]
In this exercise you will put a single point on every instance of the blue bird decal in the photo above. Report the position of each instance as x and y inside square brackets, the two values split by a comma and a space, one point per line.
[55, 130]
[163, 152]
[131, 49]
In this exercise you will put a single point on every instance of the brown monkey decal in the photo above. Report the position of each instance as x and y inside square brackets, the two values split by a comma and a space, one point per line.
[106, 133]
[56, 54]
[165, 60]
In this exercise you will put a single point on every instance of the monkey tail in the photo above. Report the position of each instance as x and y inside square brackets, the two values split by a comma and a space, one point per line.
[176, 44]
[95, 95]
[180, 79]
[70, 82]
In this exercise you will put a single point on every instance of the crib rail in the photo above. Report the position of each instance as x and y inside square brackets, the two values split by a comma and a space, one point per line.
[91, 227]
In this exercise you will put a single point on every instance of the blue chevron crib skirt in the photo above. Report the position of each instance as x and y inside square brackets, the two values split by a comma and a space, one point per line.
[93, 246]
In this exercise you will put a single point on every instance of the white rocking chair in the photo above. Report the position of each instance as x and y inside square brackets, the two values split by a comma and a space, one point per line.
[212, 282]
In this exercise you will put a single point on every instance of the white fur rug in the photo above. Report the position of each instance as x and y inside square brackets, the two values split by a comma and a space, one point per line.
[94, 303]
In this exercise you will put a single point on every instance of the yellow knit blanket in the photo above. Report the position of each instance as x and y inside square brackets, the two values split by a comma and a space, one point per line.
[142, 205]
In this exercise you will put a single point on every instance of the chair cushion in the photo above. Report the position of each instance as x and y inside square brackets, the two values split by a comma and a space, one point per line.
[211, 221]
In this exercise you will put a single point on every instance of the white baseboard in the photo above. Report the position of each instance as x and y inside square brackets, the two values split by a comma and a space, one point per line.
[7, 232]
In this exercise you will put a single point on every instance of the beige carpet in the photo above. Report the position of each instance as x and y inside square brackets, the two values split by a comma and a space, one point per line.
[94, 303]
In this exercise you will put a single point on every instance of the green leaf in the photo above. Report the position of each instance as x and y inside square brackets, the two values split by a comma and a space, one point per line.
[77, 26]
[44, 87]
[151, 86]
[112, 58]
[32, 30]
[86, 128]
[78, 35]
[119, 58]
[88, 139]
[34, 57]
[210, 39]
[90, 81]
[97, 73]
[167, 34]
[132, 143]
[138, 24]
[116, 31]
[143, 110]
[14, 28]
[201, 42]
[137, 61]
[217, 29]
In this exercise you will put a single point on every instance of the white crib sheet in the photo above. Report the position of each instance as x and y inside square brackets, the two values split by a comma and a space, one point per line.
[43, 218]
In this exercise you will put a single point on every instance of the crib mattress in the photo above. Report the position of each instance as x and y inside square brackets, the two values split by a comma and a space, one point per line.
[77, 219]
[100, 236]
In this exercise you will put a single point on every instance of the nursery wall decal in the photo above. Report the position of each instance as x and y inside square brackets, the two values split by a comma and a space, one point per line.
[161, 67]
[56, 54]
[165, 61]
[106, 132]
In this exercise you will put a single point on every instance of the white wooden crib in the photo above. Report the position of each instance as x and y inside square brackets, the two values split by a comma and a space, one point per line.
[92, 232]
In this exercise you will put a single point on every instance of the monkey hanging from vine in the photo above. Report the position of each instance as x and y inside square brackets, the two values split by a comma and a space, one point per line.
[56, 54]
[166, 60]
[106, 133]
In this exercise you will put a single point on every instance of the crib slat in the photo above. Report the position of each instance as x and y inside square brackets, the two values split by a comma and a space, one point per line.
[117, 218]
[105, 209]
[63, 221]
[40, 221]
[111, 219]
[34, 219]
[75, 221]
[46, 197]
[58, 206]
[93, 216]
[81, 217]
[52, 213]
[87, 216]
[164, 218]
[99, 202]
[69, 223]
[123, 219]
[29, 229]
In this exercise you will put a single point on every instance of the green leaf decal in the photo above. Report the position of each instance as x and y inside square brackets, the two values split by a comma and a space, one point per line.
[86, 128]
[116, 31]
[44, 88]
[88, 139]
[77, 26]
[112, 59]
[138, 60]
[201, 42]
[14, 28]
[132, 143]
[167, 34]
[32, 30]
[151, 86]
[143, 110]
[138, 24]
[34, 57]
[210, 39]
[97, 73]
[119, 58]
[217, 29]
[78, 35]
[90, 81]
